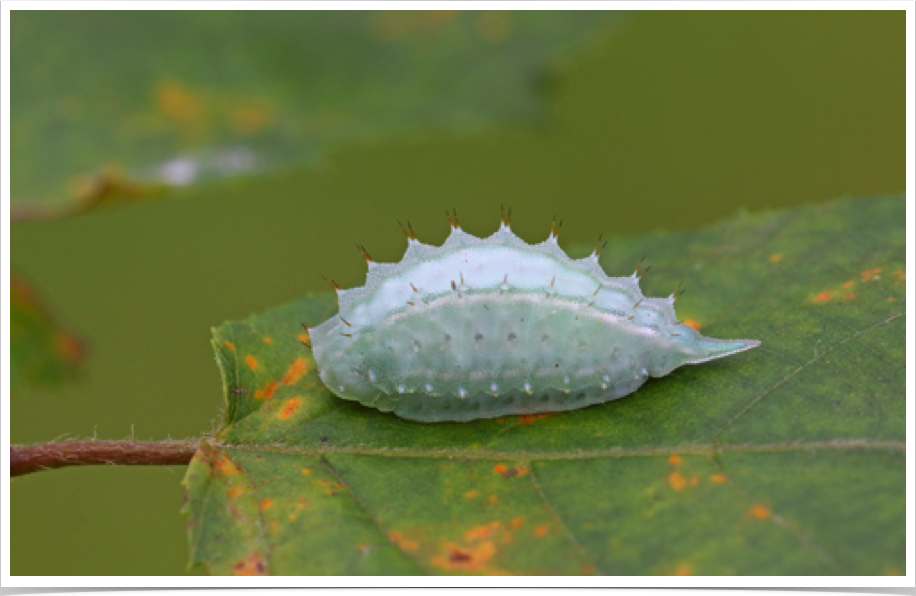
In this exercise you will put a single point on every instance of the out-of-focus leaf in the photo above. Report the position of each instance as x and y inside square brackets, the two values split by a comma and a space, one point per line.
[785, 460]
[42, 353]
[175, 97]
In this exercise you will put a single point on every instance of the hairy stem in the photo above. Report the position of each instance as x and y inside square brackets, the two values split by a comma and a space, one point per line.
[25, 459]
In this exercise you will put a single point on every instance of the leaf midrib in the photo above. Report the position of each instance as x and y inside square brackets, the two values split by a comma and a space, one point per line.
[482, 454]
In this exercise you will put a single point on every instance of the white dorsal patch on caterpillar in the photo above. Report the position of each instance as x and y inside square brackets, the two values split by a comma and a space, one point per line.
[484, 327]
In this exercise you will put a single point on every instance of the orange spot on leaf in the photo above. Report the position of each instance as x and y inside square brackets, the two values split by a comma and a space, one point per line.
[466, 559]
[676, 481]
[823, 297]
[269, 389]
[519, 470]
[516, 523]
[530, 418]
[229, 345]
[259, 394]
[290, 407]
[849, 296]
[252, 363]
[304, 337]
[471, 494]
[266, 503]
[306, 471]
[493, 499]
[295, 371]
[760, 512]
[540, 531]
[267, 340]
[775, 258]
[900, 274]
[675, 460]
[587, 570]
[717, 478]
[500, 469]
[870, 274]
[478, 532]
[225, 465]
[401, 541]
[683, 569]
[235, 492]
[291, 517]
[849, 284]
[692, 323]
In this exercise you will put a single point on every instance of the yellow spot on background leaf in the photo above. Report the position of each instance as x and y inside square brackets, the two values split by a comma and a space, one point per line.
[267, 340]
[717, 478]
[471, 494]
[775, 258]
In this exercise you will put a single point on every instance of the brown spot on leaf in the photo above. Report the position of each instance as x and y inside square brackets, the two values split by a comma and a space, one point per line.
[466, 559]
[306, 471]
[519, 470]
[823, 297]
[253, 565]
[252, 362]
[267, 340]
[540, 531]
[760, 512]
[235, 492]
[266, 503]
[290, 407]
[516, 522]
[675, 460]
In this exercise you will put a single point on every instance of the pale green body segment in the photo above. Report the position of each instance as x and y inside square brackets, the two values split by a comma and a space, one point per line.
[485, 327]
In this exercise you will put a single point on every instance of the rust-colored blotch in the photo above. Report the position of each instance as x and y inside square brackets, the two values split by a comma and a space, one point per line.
[229, 345]
[289, 408]
[717, 478]
[692, 323]
[252, 362]
[253, 565]
[675, 460]
[530, 418]
[760, 512]
[295, 371]
[540, 531]
[266, 503]
[683, 569]
[775, 258]
[823, 297]
[676, 481]
[269, 389]
[869, 274]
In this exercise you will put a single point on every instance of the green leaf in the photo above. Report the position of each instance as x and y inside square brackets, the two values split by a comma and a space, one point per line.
[101, 101]
[42, 353]
[788, 459]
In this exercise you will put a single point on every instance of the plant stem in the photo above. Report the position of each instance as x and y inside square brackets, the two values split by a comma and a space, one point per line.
[25, 459]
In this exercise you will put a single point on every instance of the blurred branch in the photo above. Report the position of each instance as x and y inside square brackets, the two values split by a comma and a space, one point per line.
[25, 459]
[105, 188]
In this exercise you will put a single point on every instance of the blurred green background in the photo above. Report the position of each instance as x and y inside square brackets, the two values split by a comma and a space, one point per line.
[656, 120]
